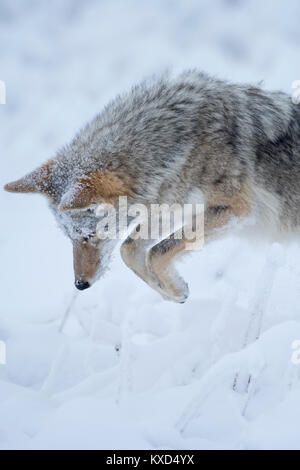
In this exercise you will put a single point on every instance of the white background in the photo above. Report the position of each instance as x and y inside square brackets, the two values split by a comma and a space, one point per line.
[171, 384]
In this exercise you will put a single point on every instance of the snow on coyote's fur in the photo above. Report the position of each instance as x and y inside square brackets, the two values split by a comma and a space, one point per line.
[236, 148]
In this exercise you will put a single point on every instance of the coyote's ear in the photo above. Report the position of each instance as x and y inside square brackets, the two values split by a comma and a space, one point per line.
[96, 187]
[38, 181]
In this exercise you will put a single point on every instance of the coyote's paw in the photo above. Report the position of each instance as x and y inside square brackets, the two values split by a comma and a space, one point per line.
[167, 281]
[176, 291]
[156, 273]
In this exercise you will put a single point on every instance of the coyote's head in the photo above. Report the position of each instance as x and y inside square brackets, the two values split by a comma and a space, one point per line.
[73, 196]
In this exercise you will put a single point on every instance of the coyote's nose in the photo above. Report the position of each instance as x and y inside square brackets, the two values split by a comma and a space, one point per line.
[82, 285]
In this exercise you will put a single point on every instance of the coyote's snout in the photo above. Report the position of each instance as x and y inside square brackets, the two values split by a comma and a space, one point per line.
[86, 259]
[235, 148]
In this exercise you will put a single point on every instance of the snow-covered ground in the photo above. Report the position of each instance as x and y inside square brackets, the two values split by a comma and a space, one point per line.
[130, 370]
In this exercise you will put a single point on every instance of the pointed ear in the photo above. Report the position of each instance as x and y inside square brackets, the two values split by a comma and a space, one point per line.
[38, 181]
[96, 187]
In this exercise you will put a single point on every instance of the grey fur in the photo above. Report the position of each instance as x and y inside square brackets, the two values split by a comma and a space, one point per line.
[171, 135]
[192, 132]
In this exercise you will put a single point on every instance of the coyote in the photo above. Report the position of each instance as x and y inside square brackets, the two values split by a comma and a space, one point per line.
[234, 148]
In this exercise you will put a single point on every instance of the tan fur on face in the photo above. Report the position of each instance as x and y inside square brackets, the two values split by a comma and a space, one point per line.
[99, 187]
[86, 261]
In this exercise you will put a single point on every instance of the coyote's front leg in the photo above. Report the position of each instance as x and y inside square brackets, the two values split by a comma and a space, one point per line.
[160, 261]
[153, 265]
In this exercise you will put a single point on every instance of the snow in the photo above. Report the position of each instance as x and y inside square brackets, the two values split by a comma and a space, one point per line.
[130, 370]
